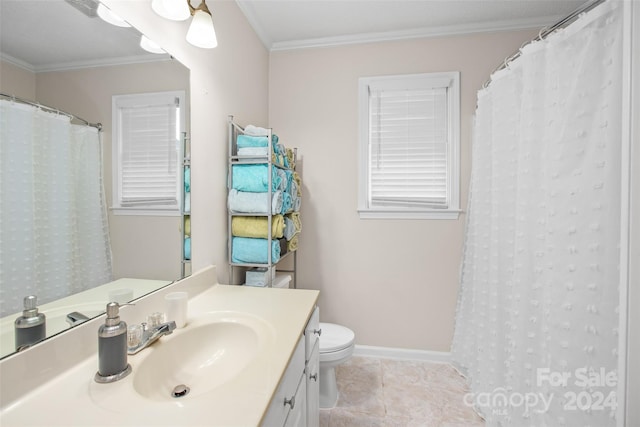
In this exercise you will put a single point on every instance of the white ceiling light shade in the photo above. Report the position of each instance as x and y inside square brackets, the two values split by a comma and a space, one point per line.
[149, 45]
[175, 10]
[108, 16]
[201, 32]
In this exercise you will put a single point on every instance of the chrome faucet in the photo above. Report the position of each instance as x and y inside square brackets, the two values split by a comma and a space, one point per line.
[149, 336]
[75, 318]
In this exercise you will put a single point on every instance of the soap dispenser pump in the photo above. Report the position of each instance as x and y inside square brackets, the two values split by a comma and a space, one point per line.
[30, 328]
[112, 347]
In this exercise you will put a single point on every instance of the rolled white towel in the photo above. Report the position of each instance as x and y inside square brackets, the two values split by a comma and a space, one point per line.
[256, 131]
[246, 202]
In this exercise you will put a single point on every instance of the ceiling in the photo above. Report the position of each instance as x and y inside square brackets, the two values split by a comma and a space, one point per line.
[49, 35]
[43, 35]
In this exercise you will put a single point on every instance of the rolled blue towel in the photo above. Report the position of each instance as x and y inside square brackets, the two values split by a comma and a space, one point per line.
[289, 229]
[254, 251]
[286, 203]
[255, 178]
[283, 179]
[289, 178]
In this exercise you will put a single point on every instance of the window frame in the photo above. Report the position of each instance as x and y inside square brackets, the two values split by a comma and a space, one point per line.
[450, 80]
[149, 209]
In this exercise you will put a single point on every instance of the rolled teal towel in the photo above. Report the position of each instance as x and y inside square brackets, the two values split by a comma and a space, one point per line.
[246, 141]
[187, 248]
[254, 251]
[187, 179]
[255, 178]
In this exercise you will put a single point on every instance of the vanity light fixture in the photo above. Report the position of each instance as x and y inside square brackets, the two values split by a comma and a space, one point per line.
[201, 32]
[149, 45]
[108, 16]
[175, 10]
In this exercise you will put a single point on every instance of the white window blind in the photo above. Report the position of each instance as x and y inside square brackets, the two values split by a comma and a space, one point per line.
[408, 148]
[148, 132]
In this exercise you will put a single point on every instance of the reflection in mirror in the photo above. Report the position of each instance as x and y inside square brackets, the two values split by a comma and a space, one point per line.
[79, 73]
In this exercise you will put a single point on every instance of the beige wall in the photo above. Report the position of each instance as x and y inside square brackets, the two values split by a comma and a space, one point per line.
[142, 246]
[394, 282]
[230, 79]
[17, 81]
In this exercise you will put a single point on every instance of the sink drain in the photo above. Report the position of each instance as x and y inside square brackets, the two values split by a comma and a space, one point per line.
[180, 391]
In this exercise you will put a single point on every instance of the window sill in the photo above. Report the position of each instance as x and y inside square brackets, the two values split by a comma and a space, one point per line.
[145, 211]
[450, 214]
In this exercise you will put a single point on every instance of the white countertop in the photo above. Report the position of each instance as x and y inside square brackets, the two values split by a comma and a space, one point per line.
[73, 398]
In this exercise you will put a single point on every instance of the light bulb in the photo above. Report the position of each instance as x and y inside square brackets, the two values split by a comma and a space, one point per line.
[108, 16]
[175, 10]
[149, 45]
[201, 32]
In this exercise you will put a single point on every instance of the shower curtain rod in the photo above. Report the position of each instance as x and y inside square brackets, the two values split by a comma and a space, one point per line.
[544, 32]
[52, 110]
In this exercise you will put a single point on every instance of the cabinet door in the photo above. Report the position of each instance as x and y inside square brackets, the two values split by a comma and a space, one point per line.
[278, 409]
[298, 414]
[312, 374]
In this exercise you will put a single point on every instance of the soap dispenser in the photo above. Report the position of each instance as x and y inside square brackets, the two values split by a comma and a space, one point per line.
[112, 347]
[30, 328]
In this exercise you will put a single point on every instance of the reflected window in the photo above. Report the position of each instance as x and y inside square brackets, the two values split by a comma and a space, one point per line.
[147, 164]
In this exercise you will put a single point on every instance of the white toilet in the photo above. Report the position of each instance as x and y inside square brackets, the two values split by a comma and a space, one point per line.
[336, 347]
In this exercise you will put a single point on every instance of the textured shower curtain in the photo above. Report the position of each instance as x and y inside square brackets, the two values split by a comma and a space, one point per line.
[53, 225]
[537, 317]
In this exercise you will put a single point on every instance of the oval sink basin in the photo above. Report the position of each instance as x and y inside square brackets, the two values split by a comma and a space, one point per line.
[202, 357]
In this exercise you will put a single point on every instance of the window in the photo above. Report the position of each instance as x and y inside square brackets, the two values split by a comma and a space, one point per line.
[409, 146]
[147, 140]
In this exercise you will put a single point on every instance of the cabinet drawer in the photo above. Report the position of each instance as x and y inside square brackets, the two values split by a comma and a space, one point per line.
[312, 332]
[278, 410]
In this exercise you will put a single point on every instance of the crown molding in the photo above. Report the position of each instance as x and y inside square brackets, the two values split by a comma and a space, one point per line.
[75, 65]
[415, 33]
[427, 32]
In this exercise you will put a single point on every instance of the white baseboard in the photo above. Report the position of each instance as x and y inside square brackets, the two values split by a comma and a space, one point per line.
[402, 354]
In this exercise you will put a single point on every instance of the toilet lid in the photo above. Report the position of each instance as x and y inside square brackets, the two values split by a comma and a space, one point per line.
[335, 337]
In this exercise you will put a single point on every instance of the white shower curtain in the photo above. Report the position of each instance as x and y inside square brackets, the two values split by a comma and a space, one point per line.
[53, 225]
[537, 318]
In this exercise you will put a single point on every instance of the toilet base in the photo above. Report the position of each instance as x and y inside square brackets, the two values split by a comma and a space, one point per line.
[328, 387]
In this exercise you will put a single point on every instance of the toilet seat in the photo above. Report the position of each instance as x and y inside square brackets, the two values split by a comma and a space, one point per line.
[335, 338]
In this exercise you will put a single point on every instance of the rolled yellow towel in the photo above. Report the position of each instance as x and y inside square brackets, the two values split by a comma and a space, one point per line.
[256, 226]
[297, 222]
[290, 158]
[187, 226]
[296, 177]
[292, 244]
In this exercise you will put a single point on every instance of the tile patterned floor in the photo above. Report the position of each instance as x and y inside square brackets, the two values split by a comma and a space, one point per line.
[398, 393]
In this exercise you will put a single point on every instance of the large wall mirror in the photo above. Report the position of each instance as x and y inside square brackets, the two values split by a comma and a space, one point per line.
[62, 55]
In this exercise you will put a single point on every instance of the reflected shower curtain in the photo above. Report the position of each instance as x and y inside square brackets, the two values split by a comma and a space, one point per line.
[53, 226]
[537, 317]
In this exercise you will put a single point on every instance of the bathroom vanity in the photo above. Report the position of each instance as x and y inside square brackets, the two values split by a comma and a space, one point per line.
[248, 355]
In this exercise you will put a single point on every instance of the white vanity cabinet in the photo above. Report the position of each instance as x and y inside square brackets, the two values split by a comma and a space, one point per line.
[296, 402]
[312, 369]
